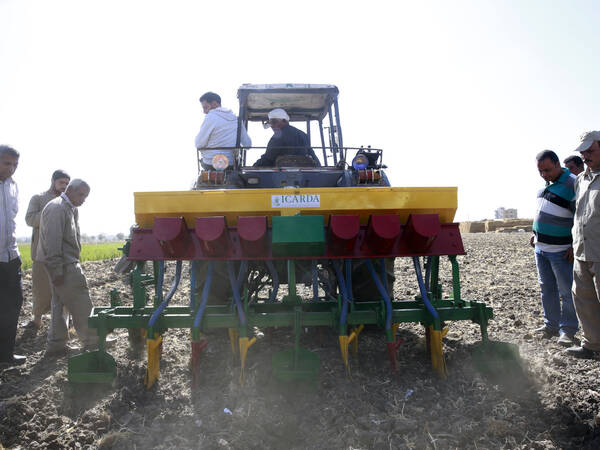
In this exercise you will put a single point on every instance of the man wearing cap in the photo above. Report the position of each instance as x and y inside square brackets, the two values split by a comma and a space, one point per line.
[586, 247]
[553, 248]
[219, 130]
[286, 140]
[574, 163]
[40, 284]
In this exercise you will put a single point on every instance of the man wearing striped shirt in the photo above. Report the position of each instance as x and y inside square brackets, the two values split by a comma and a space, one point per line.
[553, 248]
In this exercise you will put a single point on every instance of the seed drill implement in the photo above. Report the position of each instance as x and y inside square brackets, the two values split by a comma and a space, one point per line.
[248, 236]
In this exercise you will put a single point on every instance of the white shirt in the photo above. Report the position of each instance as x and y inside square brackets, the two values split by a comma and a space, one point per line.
[9, 206]
[219, 129]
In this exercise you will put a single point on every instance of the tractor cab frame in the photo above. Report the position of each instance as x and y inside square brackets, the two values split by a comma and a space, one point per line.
[316, 107]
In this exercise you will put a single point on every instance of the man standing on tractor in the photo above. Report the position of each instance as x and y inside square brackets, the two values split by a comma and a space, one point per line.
[218, 131]
[553, 248]
[286, 140]
[586, 246]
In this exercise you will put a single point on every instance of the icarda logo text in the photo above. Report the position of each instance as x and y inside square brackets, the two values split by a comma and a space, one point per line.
[296, 200]
[305, 198]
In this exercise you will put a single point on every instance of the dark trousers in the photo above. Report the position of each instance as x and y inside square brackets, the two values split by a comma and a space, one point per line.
[11, 299]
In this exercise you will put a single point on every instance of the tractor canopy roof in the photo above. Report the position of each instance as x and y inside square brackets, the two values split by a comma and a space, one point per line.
[302, 102]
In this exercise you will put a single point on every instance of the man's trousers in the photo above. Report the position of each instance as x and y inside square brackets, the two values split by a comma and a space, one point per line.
[74, 295]
[11, 299]
[586, 297]
[41, 289]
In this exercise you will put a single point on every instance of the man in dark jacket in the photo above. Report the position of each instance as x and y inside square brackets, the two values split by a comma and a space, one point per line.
[286, 140]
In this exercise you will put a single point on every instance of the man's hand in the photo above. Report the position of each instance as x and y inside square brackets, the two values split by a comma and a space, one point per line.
[531, 239]
[58, 281]
[569, 254]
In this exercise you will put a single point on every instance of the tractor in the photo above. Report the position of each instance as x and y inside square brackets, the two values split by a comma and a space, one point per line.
[251, 234]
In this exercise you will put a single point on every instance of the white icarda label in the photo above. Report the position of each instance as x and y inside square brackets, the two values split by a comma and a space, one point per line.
[296, 201]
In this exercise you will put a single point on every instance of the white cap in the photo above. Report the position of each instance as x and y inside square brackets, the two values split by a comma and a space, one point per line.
[587, 139]
[278, 113]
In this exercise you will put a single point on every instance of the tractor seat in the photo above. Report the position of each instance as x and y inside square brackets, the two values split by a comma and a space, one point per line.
[294, 161]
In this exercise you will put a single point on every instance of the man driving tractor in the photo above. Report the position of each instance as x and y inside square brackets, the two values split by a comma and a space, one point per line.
[286, 140]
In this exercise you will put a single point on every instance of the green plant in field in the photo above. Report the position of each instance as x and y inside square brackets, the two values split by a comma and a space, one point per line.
[89, 252]
[97, 252]
[25, 251]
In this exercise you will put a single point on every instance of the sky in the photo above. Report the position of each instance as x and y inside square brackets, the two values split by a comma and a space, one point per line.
[462, 93]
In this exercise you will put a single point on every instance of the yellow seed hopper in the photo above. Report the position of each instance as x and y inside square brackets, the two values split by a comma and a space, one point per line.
[361, 201]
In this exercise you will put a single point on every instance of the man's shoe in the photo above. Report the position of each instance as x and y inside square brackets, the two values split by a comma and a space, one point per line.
[14, 360]
[580, 352]
[32, 325]
[109, 342]
[56, 352]
[565, 339]
[61, 351]
[547, 332]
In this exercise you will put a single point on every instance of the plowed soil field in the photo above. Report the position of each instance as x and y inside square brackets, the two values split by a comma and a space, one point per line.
[550, 400]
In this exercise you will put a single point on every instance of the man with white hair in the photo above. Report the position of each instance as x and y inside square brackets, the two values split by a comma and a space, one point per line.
[286, 140]
[586, 247]
[59, 248]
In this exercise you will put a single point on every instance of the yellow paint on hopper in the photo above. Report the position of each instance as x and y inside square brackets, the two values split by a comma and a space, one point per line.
[232, 203]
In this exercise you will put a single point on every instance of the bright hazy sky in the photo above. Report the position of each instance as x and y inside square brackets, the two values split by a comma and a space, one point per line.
[457, 93]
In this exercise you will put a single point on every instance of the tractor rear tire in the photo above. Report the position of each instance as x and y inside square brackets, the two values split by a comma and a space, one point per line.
[220, 287]
[364, 288]
[136, 338]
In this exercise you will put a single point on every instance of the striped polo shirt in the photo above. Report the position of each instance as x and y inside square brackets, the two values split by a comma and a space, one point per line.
[554, 215]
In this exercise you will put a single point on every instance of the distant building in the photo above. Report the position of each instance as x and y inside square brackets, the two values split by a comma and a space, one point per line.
[505, 213]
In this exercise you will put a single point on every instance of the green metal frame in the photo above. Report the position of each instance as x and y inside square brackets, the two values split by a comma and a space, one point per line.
[324, 313]
[292, 311]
